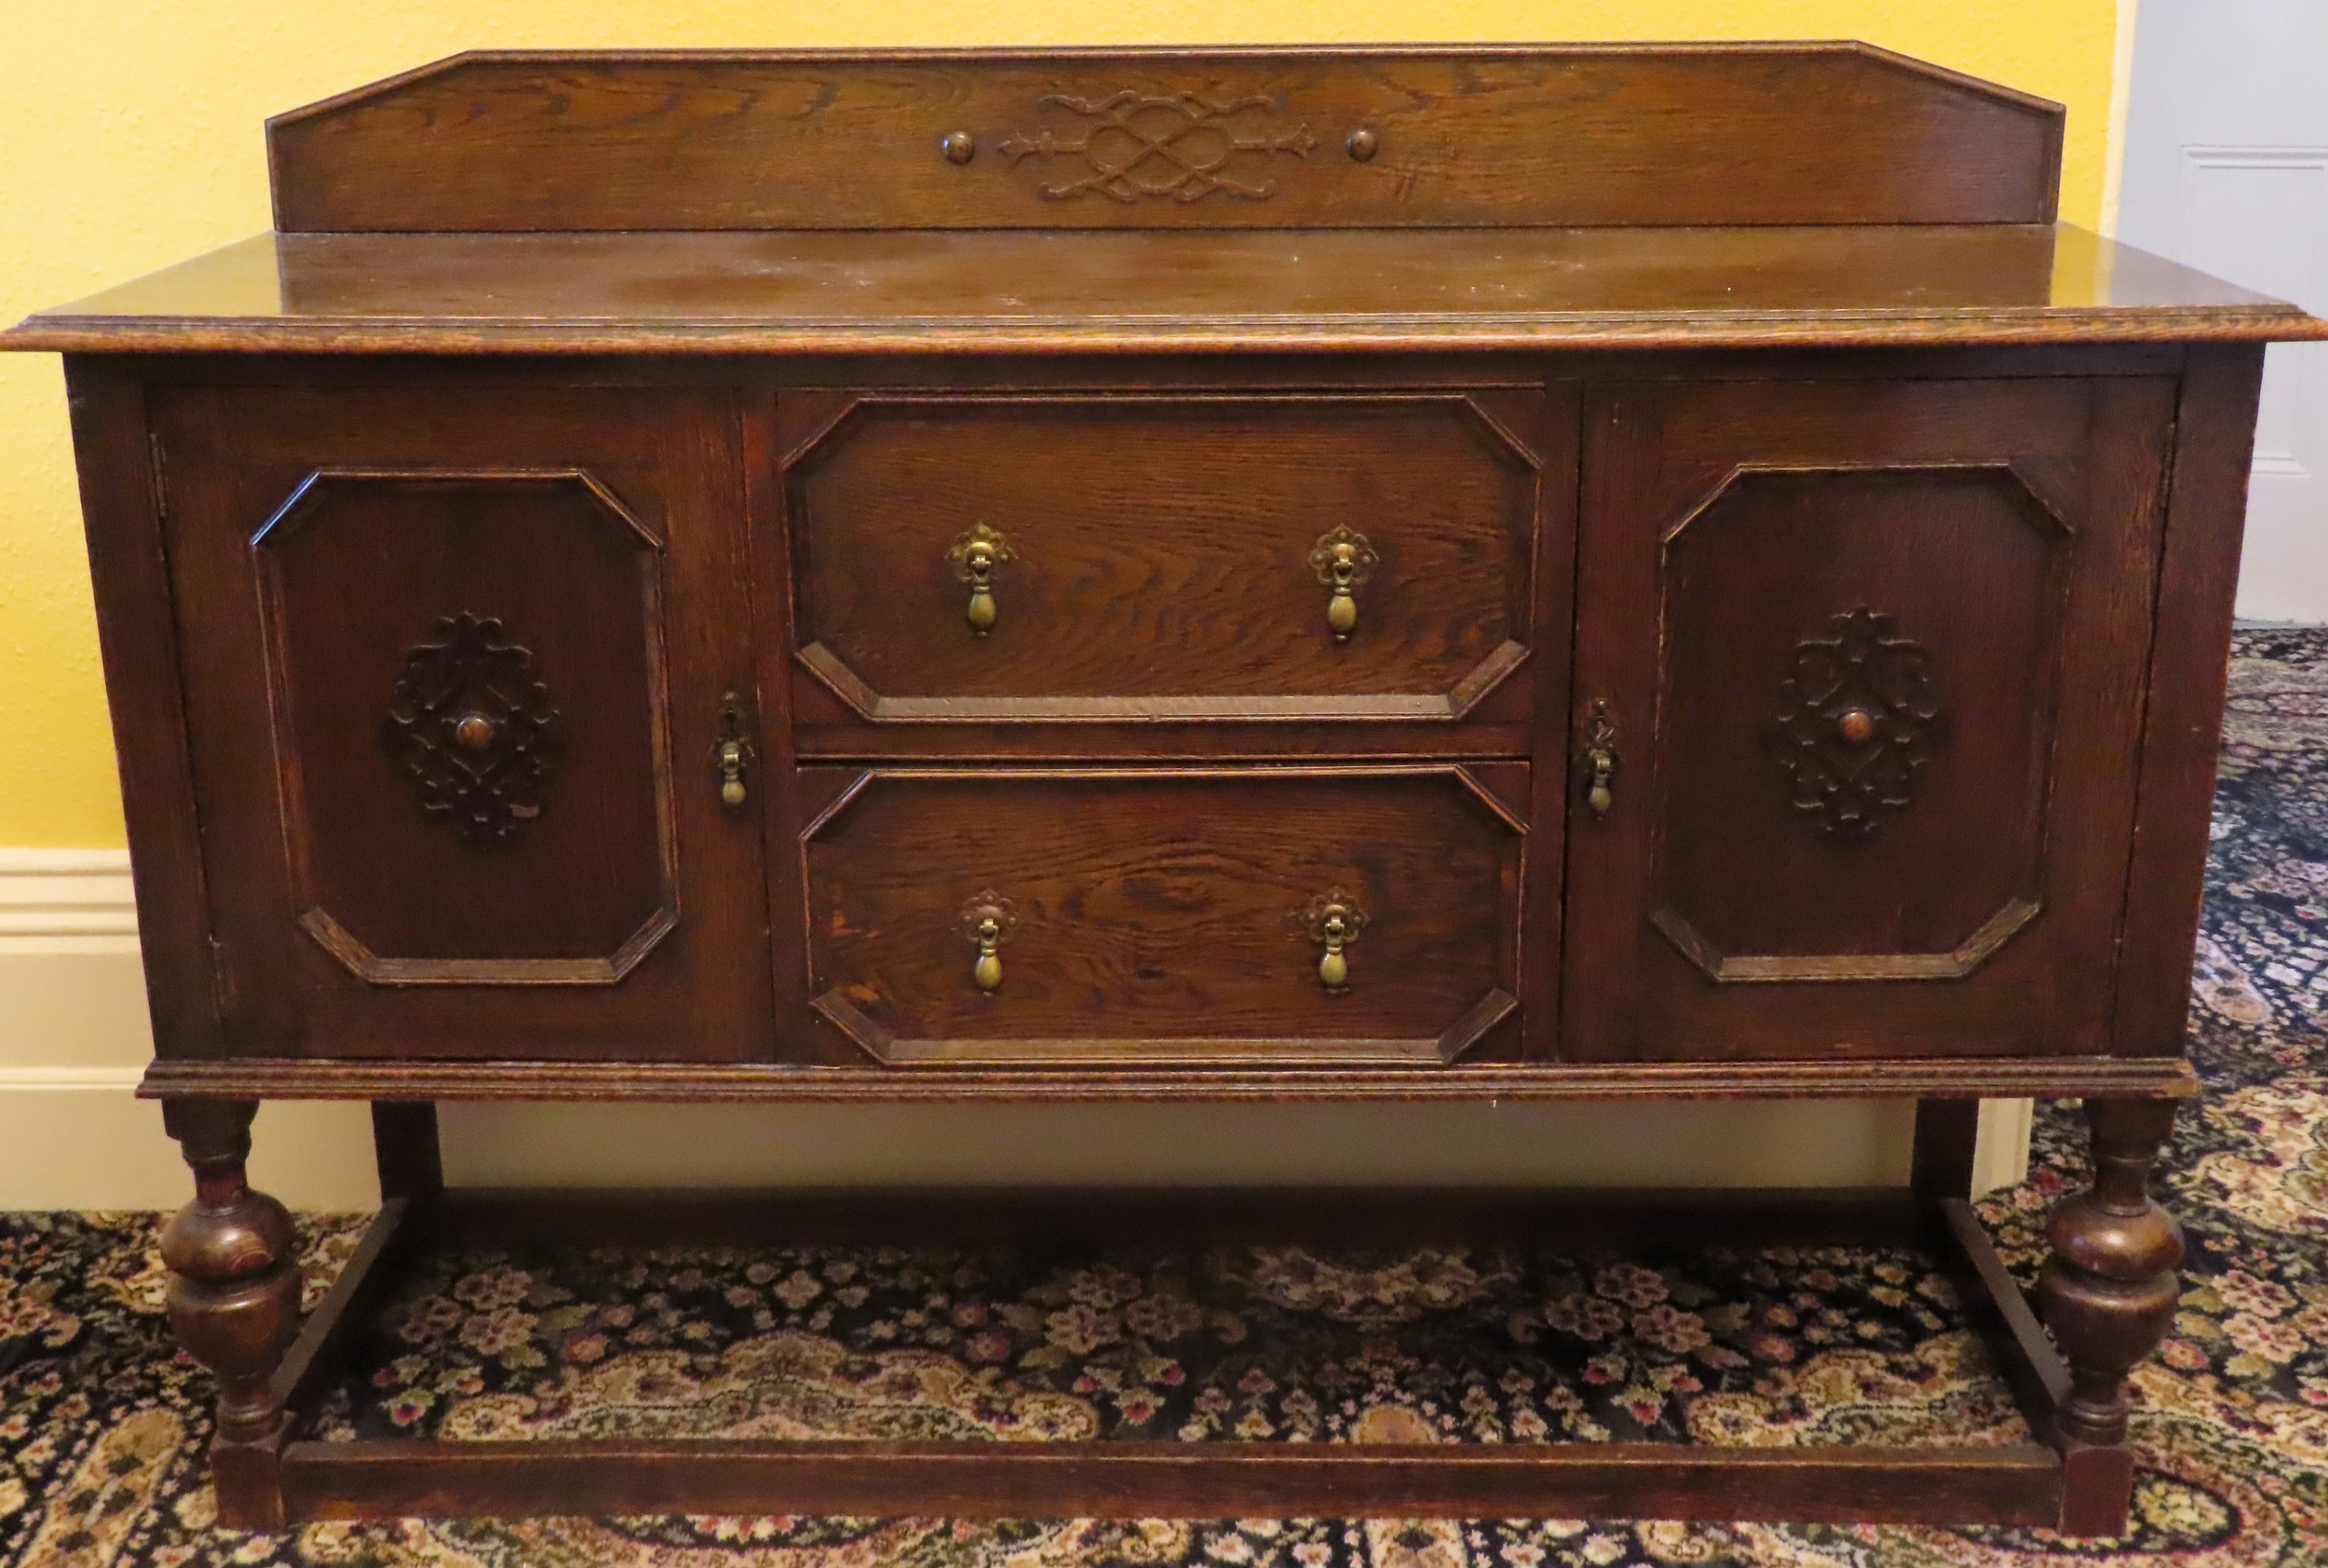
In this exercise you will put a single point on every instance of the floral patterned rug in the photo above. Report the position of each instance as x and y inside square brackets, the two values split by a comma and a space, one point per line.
[101, 1426]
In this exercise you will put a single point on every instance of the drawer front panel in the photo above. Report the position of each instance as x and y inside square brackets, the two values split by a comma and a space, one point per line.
[1174, 916]
[1857, 653]
[961, 557]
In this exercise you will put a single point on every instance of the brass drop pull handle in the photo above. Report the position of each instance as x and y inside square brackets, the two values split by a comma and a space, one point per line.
[1600, 757]
[975, 556]
[1341, 558]
[732, 755]
[1332, 920]
[986, 920]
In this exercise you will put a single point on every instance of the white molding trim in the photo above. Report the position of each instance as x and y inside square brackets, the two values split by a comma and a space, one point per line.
[66, 900]
[78, 1080]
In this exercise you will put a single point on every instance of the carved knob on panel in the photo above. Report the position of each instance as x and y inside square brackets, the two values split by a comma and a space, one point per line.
[474, 731]
[1364, 144]
[959, 146]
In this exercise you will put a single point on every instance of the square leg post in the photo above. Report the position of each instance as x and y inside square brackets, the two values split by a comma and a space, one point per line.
[404, 1144]
[1946, 1133]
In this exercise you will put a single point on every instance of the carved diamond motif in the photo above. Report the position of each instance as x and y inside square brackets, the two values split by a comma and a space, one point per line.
[1159, 147]
[472, 726]
[1859, 718]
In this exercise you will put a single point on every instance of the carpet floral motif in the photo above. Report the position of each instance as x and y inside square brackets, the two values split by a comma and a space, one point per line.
[103, 1423]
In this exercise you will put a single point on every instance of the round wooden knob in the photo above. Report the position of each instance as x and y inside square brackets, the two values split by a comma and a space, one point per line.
[1856, 725]
[959, 146]
[474, 731]
[1364, 144]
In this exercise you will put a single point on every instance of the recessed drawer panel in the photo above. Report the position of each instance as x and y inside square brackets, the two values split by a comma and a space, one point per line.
[1068, 915]
[1346, 556]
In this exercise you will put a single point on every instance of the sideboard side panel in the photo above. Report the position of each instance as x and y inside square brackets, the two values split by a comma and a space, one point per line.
[2198, 566]
[137, 630]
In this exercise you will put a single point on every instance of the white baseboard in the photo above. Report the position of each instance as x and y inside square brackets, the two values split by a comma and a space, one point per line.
[66, 900]
[73, 1039]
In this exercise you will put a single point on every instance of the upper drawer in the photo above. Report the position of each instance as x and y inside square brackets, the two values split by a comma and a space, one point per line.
[1277, 555]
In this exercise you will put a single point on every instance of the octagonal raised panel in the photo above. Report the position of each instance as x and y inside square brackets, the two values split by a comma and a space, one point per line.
[1894, 829]
[1090, 914]
[470, 729]
[1152, 556]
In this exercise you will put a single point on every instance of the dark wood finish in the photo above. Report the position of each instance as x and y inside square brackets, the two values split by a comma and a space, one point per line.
[404, 1147]
[1657, 134]
[2215, 438]
[602, 529]
[2025, 1357]
[234, 1302]
[2108, 1297]
[2001, 538]
[1790, 580]
[1155, 916]
[1947, 1136]
[681, 1082]
[1350, 291]
[1160, 551]
[186, 983]
[1603, 1219]
[2018, 1484]
[324, 1339]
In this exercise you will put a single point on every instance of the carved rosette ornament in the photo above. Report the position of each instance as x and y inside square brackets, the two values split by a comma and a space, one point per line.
[1859, 718]
[472, 727]
[1144, 148]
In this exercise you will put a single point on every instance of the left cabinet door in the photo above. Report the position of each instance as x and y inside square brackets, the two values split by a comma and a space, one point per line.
[459, 659]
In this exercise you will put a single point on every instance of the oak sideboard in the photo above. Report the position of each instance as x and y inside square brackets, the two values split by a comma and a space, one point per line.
[1462, 574]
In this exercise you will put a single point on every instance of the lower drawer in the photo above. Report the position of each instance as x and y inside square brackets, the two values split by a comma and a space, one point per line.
[1075, 916]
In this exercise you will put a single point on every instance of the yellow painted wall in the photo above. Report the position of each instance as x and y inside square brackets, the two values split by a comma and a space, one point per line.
[130, 138]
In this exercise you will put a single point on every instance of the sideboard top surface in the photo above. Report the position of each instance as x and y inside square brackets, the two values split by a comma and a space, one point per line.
[1582, 195]
[1053, 289]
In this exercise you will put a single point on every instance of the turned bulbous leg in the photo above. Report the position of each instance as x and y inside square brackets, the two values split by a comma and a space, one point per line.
[2107, 1296]
[234, 1300]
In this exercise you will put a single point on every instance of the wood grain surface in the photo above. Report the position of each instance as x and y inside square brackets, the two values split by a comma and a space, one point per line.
[313, 831]
[1771, 133]
[2012, 531]
[1160, 553]
[937, 293]
[1157, 916]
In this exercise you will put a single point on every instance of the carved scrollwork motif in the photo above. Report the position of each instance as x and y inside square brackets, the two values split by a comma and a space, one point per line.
[472, 726]
[1145, 147]
[1859, 718]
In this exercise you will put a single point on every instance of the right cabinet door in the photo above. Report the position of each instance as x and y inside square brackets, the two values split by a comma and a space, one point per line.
[1857, 705]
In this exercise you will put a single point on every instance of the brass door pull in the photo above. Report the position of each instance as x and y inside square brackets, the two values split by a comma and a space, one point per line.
[986, 920]
[732, 755]
[1600, 756]
[1334, 921]
[975, 556]
[1341, 560]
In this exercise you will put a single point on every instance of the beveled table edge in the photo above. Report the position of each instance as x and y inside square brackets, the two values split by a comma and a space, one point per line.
[1031, 335]
[1959, 1077]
